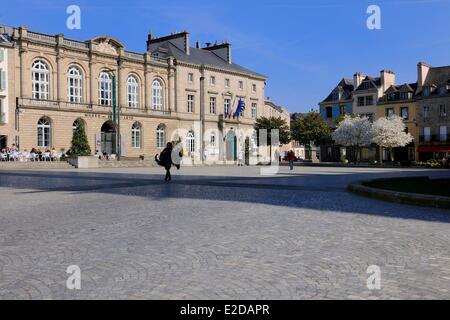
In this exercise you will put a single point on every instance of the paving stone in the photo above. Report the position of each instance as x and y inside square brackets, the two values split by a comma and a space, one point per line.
[216, 233]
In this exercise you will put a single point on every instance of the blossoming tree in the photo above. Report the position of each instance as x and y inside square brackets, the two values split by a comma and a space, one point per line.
[355, 132]
[390, 133]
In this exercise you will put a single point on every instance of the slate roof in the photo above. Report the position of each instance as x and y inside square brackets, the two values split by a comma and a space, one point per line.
[200, 56]
[345, 86]
[438, 76]
[369, 83]
[6, 34]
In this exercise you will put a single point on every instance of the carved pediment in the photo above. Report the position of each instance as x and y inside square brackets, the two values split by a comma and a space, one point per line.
[107, 45]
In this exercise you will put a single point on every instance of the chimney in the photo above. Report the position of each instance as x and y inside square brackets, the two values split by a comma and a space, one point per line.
[180, 40]
[422, 73]
[357, 79]
[387, 79]
[222, 50]
[187, 45]
[197, 45]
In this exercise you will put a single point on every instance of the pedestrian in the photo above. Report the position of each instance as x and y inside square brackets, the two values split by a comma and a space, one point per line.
[165, 160]
[291, 159]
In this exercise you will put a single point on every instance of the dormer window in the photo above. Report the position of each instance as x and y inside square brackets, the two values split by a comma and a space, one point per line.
[443, 90]
[365, 85]
[426, 91]
[336, 96]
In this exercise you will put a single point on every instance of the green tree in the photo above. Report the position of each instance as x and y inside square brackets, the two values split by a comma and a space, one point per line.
[80, 145]
[310, 128]
[270, 124]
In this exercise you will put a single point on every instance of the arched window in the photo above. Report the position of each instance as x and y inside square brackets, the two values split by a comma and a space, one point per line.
[44, 132]
[160, 136]
[105, 89]
[157, 94]
[76, 124]
[136, 135]
[74, 85]
[190, 142]
[40, 81]
[133, 92]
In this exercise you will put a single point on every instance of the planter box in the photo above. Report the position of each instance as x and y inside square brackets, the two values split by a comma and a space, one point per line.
[84, 162]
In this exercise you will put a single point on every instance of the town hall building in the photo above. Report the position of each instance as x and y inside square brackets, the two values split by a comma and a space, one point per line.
[172, 92]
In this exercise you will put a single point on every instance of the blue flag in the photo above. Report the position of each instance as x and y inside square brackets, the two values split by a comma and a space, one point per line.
[240, 108]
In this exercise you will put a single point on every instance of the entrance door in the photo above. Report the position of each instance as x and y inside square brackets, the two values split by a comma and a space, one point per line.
[3, 142]
[231, 148]
[109, 144]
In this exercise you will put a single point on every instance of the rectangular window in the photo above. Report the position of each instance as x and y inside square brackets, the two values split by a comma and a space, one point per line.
[361, 101]
[241, 85]
[190, 77]
[190, 103]
[427, 134]
[329, 111]
[212, 81]
[404, 113]
[369, 101]
[226, 106]
[212, 141]
[426, 112]
[254, 110]
[342, 110]
[443, 110]
[254, 88]
[389, 112]
[443, 133]
[2, 113]
[227, 83]
[212, 105]
[2, 80]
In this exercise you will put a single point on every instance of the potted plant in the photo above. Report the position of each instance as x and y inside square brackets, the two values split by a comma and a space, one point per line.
[80, 152]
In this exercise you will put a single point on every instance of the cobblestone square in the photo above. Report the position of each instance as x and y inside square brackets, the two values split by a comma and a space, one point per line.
[216, 233]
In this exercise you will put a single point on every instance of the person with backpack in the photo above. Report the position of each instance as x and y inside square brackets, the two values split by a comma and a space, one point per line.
[165, 160]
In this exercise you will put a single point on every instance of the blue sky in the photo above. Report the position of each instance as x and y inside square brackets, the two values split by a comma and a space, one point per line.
[305, 47]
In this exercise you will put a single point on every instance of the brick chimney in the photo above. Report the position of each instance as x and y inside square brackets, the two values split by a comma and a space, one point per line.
[387, 79]
[422, 73]
[358, 78]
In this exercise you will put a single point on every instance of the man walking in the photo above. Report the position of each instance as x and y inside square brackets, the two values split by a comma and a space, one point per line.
[165, 160]
[291, 159]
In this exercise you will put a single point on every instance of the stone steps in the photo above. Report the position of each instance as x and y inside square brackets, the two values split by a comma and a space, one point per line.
[16, 165]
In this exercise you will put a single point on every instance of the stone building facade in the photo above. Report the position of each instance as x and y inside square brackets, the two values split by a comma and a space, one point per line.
[172, 92]
[433, 114]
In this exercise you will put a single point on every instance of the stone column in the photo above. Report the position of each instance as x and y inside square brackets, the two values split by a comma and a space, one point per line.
[147, 83]
[59, 68]
[23, 73]
[171, 85]
[92, 83]
[23, 34]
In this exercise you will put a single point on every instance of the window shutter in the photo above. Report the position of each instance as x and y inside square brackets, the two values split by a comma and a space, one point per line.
[2, 80]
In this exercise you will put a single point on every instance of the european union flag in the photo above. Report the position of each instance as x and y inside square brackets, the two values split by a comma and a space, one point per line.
[240, 108]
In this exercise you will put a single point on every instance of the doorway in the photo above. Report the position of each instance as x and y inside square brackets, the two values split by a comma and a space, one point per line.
[109, 144]
[231, 146]
[3, 142]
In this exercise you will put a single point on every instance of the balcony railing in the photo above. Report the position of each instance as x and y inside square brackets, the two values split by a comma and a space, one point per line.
[64, 105]
[42, 37]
